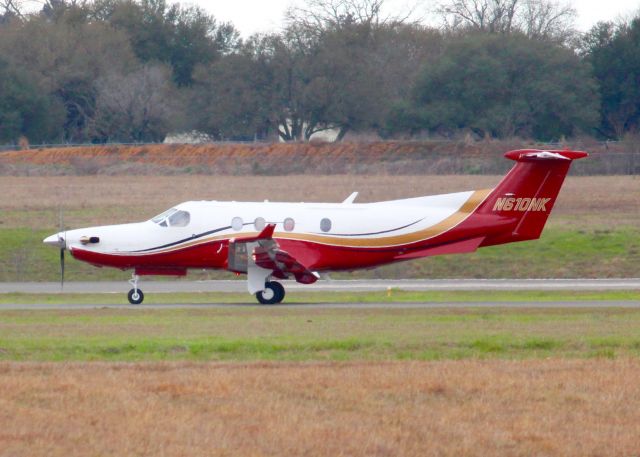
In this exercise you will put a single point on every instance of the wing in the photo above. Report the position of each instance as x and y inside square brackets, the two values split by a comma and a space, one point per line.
[282, 264]
[260, 257]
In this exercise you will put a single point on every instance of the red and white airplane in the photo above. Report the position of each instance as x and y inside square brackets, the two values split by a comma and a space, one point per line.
[299, 240]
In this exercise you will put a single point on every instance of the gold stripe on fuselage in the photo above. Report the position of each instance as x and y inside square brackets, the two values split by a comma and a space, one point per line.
[430, 232]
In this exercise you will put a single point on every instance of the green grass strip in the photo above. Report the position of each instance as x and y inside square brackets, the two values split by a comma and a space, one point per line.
[390, 296]
[250, 333]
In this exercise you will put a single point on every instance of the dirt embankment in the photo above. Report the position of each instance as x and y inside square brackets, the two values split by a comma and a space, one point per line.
[391, 157]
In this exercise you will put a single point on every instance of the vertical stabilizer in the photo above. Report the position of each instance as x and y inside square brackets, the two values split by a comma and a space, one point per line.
[527, 194]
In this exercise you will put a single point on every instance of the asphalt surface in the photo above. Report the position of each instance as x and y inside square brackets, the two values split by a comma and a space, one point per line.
[327, 285]
[158, 287]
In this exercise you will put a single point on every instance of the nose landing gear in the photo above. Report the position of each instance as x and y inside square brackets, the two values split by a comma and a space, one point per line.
[135, 295]
[273, 293]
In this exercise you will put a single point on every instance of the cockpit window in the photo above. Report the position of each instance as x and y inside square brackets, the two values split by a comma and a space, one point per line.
[172, 217]
[179, 219]
[160, 217]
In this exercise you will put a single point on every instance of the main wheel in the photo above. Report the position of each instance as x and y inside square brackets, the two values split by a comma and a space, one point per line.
[273, 293]
[279, 289]
[135, 296]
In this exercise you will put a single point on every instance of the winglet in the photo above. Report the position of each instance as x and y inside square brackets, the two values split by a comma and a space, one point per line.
[350, 198]
[267, 232]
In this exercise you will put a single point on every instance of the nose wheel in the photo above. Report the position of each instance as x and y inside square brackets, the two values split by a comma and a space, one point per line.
[135, 295]
[273, 293]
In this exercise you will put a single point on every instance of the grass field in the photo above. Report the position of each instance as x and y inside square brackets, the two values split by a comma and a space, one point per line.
[593, 232]
[448, 408]
[253, 333]
[323, 382]
[309, 297]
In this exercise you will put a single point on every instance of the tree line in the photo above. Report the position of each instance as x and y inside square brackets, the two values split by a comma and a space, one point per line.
[135, 70]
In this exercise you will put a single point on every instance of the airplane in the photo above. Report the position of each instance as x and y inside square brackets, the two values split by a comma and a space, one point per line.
[269, 240]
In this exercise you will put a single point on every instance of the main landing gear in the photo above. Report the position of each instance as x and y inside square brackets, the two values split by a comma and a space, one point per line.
[273, 293]
[135, 295]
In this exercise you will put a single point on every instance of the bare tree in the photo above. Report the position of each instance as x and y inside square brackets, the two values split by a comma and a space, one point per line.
[22, 8]
[323, 13]
[320, 15]
[135, 107]
[489, 15]
[334, 48]
[14, 8]
[547, 19]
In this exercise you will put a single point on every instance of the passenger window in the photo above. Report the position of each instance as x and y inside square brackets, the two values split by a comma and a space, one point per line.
[325, 224]
[179, 219]
[259, 223]
[237, 223]
[289, 224]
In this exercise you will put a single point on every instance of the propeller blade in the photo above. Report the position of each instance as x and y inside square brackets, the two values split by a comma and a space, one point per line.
[62, 267]
[62, 240]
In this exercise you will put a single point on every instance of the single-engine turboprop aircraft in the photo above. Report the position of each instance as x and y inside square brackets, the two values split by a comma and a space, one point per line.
[299, 240]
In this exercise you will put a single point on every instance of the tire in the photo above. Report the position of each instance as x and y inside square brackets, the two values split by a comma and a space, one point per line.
[272, 294]
[279, 289]
[135, 297]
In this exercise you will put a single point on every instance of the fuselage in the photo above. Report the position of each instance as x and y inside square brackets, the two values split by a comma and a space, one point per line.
[322, 236]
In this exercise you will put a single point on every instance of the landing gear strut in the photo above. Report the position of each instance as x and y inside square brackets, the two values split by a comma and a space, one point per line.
[273, 293]
[135, 295]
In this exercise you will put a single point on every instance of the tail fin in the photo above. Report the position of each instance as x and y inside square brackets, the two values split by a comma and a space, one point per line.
[528, 192]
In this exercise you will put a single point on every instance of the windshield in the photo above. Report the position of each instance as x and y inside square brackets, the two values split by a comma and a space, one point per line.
[172, 218]
[161, 217]
[179, 219]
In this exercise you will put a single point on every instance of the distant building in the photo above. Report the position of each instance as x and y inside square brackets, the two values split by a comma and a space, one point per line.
[193, 137]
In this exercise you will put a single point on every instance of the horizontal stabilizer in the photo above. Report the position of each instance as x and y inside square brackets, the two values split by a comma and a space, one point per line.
[527, 155]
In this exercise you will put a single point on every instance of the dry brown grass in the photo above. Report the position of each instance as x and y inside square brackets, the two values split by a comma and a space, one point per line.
[457, 408]
[34, 201]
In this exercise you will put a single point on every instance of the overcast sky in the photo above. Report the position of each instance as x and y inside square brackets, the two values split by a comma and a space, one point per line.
[251, 16]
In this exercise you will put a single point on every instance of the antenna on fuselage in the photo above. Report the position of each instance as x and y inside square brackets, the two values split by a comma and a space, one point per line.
[350, 198]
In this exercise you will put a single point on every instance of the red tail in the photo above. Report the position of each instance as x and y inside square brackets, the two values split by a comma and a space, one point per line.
[526, 195]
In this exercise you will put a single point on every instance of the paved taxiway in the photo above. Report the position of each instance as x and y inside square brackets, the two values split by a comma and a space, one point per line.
[159, 287]
[368, 285]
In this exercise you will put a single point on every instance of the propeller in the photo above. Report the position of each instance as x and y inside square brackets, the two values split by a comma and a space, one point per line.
[62, 235]
[62, 267]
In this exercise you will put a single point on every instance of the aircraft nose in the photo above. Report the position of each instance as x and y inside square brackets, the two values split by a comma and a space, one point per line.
[53, 240]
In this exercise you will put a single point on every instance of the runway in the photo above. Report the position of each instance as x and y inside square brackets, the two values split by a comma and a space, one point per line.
[367, 285]
[239, 286]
